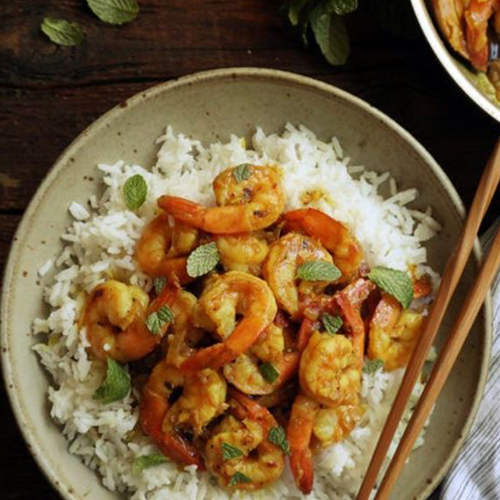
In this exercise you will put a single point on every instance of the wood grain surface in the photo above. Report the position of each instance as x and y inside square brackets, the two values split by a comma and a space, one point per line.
[49, 94]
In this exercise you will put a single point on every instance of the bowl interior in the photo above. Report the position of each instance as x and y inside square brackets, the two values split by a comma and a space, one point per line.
[211, 106]
[451, 62]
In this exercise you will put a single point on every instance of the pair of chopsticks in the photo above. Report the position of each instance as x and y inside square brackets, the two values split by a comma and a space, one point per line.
[458, 334]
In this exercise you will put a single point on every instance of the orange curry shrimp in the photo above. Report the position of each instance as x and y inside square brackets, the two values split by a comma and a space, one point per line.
[243, 252]
[224, 299]
[334, 236]
[202, 399]
[243, 205]
[246, 432]
[245, 371]
[393, 333]
[115, 320]
[280, 269]
[163, 248]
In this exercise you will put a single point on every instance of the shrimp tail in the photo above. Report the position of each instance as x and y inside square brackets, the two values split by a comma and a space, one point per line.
[153, 409]
[183, 210]
[302, 468]
[306, 330]
[299, 433]
[209, 357]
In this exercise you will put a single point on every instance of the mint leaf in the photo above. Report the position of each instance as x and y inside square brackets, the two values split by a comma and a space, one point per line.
[147, 461]
[116, 385]
[63, 32]
[330, 33]
[294, 11]
[331, 323]
[277, 436]
[242, 172]
[342, 7]
[114, 11]
[158, 319]
[269, 372]
[202, 260]
[159, 284]
[239, 477]
[394, 282]
[373, 365]
[135, 191]
[229, 451]
[318, 270]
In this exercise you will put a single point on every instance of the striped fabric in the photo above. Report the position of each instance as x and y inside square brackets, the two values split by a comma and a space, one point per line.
[476, 473]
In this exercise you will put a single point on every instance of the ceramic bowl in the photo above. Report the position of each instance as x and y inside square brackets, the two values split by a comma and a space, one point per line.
[211, 106]
[451, 61]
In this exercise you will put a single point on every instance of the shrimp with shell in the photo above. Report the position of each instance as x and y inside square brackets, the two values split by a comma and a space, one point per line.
[115, 317]
[255, 457]
[244, 204]
[225, 300]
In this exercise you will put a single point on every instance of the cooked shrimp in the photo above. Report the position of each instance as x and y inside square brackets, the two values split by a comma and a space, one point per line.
[183, 334]
[333, 235]
[477, 16]
[299, 433]
[203, 398]
[280, 268]
[225, 297]
[243, 252]
[247, 430]
[330, 370]
[244, 371]
[449, 15]
[332, 425]
[393, 333]
[115, 319]
[162, 248]
[248, 205]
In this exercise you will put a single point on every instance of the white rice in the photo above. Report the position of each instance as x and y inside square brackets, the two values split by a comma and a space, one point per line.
[100, 243]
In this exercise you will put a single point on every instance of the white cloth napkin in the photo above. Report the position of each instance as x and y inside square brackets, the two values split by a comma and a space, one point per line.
[476, 473]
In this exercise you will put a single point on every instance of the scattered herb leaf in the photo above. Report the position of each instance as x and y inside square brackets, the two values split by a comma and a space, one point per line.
[135, 191]
[242, 172]
[342, 7]
[159, 284]
[116, 385]
[277, 436]
[238, 478]
[332, 323]
[63, 32]
[394, 282]
[114, 11]
[158, 319]
[269, 372]
[147, 461]
[202, 260]
[330, 33]
[229, 451]
[294, 10]
[373, 365]
[318, 270]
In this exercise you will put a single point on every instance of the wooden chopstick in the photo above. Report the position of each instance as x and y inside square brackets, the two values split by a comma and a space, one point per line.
[453, 271]
[443, 366]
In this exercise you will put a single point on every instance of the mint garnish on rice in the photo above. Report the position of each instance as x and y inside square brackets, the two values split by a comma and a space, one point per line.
[147, 461]
[135, 191]
[372, 366]
[394, 282]
[116, 385]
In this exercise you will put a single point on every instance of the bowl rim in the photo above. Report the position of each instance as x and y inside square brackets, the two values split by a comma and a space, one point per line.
[242, 73]
[449, 62]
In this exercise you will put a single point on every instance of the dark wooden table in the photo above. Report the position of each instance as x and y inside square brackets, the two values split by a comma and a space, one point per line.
[49, 94]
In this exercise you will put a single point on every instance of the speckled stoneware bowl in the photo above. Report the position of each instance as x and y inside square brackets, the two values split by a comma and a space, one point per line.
[452, 62]
[211, 106]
